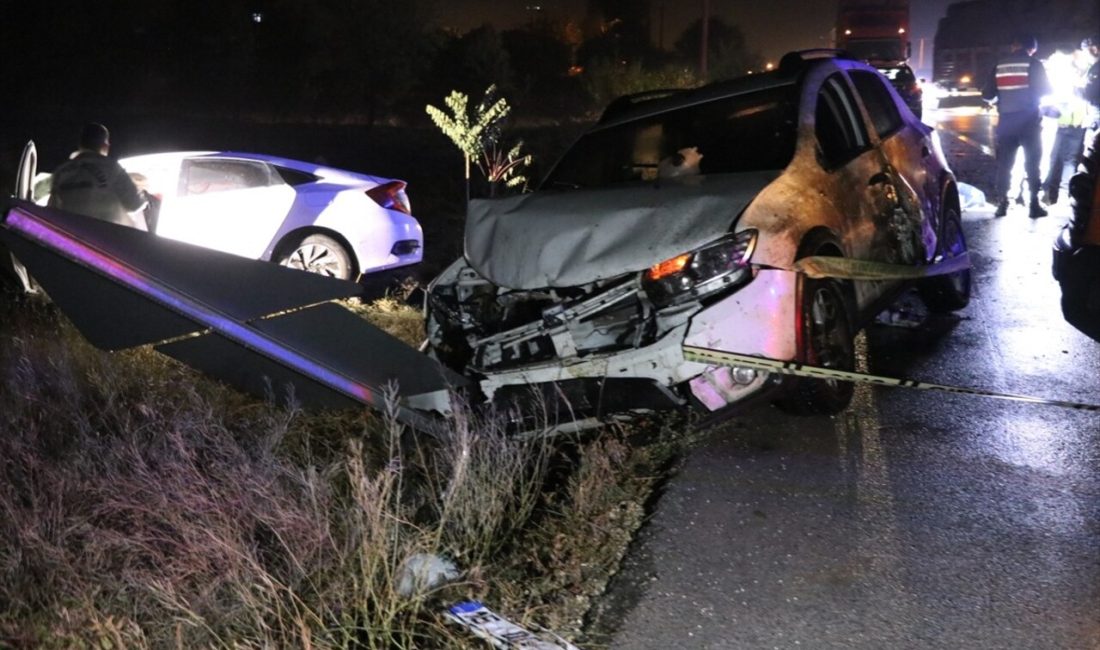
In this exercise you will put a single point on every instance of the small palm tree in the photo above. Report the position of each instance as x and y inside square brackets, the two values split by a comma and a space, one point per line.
[477, 135]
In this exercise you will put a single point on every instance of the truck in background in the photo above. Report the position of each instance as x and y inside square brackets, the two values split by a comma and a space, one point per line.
[878, 33]
[971, 35]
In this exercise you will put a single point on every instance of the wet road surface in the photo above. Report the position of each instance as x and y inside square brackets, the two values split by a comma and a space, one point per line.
[915, 519]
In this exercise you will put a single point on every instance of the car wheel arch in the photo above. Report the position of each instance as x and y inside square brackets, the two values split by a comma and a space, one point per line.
[949, 194]
[294, 237]
[819, 240]
[822, 241]
[806, 396]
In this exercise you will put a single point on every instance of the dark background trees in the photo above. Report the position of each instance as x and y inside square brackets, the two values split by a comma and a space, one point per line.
[329, 60]
[727, 51]
[315, 80]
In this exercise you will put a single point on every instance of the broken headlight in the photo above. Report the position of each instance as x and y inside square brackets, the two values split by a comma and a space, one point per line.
[716, 266]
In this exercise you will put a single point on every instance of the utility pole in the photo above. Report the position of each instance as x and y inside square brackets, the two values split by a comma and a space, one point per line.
[704, 37]
[661, 26]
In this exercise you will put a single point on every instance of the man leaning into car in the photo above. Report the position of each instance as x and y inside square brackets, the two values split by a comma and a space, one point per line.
[94, 185]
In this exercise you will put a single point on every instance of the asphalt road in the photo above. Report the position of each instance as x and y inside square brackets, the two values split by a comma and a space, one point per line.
[913, 520]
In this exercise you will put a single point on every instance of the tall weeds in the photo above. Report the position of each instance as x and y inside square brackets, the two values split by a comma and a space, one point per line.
[143, 506]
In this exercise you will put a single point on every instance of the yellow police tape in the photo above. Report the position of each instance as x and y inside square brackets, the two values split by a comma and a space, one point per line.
[849, 269]
[709, 356]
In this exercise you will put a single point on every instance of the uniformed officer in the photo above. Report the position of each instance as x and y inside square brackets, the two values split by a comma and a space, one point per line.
[1016, 84]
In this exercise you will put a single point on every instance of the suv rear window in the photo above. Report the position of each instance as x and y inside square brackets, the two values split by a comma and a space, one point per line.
[878, 101]
[750, 132]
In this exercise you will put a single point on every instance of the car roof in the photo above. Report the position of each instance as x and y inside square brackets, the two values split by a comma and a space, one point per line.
[323, 171]
[789, 72]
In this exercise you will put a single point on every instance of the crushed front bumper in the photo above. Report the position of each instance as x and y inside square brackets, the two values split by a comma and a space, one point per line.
[759, 318]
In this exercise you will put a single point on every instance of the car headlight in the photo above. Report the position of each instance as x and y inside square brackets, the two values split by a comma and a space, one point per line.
[716, 266]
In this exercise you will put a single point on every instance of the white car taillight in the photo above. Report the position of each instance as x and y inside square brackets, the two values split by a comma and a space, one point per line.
[391, 196]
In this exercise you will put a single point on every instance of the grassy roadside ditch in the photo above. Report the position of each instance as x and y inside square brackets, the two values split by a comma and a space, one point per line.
[144, 506]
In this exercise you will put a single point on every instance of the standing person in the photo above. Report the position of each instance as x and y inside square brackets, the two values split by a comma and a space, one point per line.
[1074, 116]
[1091, 90]
[1016, 84]
[94, 185]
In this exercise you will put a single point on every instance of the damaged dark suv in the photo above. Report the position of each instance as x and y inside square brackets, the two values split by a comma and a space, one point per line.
[680, 220]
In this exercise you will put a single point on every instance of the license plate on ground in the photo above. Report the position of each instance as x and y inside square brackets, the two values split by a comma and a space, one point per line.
[499, 631]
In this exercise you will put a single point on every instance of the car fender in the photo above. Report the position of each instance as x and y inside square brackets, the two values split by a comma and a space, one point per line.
[779, 214]
[366, 230]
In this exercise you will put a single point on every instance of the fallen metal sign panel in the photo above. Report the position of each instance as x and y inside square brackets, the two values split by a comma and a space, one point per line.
[121, 288]
[356, 349]
[240, 288]
[794, 368]
[109, 314]
[330, 358]
[269, 370]
[256, 373]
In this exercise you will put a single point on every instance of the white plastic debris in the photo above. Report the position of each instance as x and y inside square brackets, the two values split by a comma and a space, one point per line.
[971, 197]
[423, 572]
[908, 312]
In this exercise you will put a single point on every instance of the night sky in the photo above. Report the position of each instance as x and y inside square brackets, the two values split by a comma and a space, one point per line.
[772, 27]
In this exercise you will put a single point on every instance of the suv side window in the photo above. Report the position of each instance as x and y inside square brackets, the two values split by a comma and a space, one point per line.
[207, 176]
[839, 129]
[880, 104]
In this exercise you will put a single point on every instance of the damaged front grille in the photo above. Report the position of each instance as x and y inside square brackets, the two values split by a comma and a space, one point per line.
[481, 327]
[612, 319]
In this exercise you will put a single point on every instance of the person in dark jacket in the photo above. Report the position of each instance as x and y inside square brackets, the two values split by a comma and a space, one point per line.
[1016, 84]
[94, 185]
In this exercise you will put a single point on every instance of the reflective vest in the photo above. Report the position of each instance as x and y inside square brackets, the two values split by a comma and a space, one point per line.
[1018, 82]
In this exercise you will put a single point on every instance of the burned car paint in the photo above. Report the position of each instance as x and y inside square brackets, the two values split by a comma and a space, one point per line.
[676, 221]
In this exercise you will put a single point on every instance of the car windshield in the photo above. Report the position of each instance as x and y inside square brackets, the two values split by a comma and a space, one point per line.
[748, 132]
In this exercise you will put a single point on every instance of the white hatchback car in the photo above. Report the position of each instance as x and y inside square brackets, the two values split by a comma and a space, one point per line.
[298, 214]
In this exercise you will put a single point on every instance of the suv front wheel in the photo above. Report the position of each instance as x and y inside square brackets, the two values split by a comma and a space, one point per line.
[826, 338]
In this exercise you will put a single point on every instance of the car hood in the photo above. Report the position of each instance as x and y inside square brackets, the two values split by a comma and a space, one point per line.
[570, 238]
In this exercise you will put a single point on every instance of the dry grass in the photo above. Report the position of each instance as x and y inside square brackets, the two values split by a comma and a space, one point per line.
[392, 315]
[144, 506]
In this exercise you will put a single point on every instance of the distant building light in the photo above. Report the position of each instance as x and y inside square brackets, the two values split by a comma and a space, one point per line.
[901, 30]
[257, 17]
[769, 65]
[847, 32]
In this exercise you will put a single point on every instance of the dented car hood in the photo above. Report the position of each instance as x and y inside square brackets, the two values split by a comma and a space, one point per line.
[569, 238]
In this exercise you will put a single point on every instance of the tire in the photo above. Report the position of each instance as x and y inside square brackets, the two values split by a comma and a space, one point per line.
[318, 254]
[948, 293]
[827, 341]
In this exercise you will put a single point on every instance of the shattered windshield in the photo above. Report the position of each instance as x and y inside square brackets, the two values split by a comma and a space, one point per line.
[749, 132]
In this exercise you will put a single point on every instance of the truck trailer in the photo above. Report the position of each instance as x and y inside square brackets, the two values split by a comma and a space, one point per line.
[878, 33]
